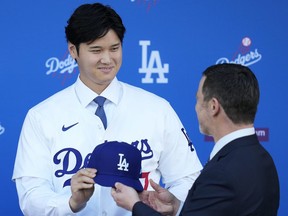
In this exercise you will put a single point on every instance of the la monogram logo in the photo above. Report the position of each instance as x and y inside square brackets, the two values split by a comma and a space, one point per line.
[147, 67]
[122, 165]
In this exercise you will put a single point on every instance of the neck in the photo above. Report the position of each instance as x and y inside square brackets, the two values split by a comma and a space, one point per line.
[229, 128]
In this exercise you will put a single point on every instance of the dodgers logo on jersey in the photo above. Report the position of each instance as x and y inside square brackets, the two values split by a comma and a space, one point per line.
[190, 144]
[70, 160]
[147, 66]
[144, 148]
[64, 157]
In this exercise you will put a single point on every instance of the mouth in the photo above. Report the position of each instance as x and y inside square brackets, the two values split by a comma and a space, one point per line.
[106, 69]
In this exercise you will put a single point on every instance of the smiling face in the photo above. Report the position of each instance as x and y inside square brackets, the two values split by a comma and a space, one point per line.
[99, 61]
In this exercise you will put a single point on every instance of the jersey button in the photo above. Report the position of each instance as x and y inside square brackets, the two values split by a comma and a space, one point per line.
[104, 213]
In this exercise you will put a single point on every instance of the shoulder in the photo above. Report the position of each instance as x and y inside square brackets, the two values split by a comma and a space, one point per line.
[140, 94]
[59, 101]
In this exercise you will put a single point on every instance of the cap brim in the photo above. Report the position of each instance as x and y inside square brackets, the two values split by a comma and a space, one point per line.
[110, 180]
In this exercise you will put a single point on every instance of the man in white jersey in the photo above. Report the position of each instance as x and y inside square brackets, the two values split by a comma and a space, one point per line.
[59, 134]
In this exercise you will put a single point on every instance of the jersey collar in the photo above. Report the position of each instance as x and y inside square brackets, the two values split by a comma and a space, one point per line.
[85, 95]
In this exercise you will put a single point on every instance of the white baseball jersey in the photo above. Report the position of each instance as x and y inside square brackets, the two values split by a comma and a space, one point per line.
[59, 134]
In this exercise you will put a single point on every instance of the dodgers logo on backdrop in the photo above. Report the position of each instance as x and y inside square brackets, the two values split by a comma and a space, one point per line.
[262, 134]
[244, 56]
[2, 129]
[148, 63]
[148, 3]
[64, 67]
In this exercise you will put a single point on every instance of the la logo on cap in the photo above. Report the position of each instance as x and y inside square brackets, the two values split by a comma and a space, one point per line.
[116, 162]
[122, 165]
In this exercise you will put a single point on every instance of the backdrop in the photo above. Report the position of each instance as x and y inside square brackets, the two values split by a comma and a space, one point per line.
[167, 46]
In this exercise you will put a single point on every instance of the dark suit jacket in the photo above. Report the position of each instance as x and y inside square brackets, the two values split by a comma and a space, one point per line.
[241, 179]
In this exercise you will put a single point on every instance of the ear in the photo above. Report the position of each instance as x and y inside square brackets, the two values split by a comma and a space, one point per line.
[214, 106]
[72, 50]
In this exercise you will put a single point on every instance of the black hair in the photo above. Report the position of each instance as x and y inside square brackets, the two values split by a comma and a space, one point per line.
[92, 21]
[236, 88]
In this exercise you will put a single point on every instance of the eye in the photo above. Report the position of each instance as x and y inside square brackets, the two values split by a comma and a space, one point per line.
[96, 51]
[115, 48]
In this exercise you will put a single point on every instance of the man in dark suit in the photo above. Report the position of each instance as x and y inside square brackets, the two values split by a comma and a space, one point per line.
[240, 178]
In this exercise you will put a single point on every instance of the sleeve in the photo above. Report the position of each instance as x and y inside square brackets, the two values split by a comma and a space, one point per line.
[33, 156]
[32, 172]
[36, 197]
[140, 209]
[212, 195]
[179, 164]
[181, 186]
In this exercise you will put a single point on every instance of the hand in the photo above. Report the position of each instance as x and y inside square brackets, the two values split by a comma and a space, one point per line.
[82, 188]
[162, 200]
[144, 196]
[124, 196]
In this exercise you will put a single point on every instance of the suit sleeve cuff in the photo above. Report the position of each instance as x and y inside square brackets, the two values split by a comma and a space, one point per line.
[141, 209]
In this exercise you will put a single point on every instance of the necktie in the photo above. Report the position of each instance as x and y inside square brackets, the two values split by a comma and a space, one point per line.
[100, 110]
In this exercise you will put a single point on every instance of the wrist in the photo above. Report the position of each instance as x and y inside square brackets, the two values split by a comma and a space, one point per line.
[74, 206]
[176, 207]
[132, 204]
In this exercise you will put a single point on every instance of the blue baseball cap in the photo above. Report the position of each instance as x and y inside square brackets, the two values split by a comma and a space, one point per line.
[117, 162]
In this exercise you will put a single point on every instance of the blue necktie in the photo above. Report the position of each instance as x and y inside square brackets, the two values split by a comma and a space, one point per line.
[100, 110]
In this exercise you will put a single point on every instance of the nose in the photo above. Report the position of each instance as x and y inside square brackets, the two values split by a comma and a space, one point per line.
[105, 59]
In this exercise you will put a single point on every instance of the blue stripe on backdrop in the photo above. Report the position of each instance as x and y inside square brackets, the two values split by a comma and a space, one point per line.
[186, 36]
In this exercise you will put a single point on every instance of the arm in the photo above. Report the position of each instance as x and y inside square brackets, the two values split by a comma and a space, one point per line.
[36, 196]
[141, 209]
[181, 186]
[82, 188]
[179, 163]
[33, 173]
[213, 194]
